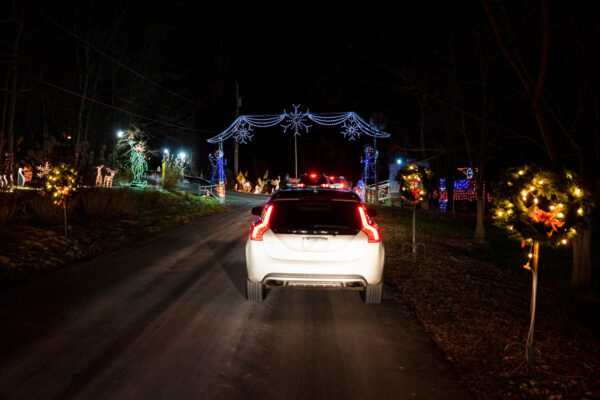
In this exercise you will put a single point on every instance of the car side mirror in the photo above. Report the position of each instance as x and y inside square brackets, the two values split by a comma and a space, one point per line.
[257, 210]
[372, 212]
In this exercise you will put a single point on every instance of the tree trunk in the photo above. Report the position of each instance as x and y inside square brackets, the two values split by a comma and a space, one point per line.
[12, 89]
[581, 274]
[422, 104]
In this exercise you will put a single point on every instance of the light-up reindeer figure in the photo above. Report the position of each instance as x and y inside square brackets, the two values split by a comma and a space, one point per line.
[108, 179]
[99, 175]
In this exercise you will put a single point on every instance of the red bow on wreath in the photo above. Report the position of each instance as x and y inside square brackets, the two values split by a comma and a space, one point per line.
[548, 218]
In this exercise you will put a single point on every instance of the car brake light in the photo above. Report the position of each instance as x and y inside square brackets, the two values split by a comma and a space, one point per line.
[341, 185]
[261, 227]
[301, 185]
[313, 175]
[324, 185]
[332, 178]
[368, 228]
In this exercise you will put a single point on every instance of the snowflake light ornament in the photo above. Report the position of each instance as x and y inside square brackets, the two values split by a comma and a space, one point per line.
[296, 121]
[43, 170]
[350, 130]
[242, 132]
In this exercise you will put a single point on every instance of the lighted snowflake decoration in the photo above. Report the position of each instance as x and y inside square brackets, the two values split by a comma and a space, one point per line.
[43, 170]
[296, 121]
[242, 132]
[350, 130]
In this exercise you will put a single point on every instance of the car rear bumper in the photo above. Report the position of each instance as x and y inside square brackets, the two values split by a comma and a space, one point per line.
[355, 273]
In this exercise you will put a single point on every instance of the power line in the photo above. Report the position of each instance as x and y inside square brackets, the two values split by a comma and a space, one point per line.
[84, 41]
[115, 107]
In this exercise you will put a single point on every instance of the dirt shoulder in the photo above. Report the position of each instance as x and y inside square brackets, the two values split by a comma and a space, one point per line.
[474, 302]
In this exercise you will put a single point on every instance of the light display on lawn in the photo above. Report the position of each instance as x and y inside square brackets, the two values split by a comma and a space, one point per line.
[540, 207]
[218, 175]
[61, 183]
[6, 171]
[216, 160]
[138, 163]
[43, 170]
[414, 180]
[99, 179]
[353, 126]
[369, 162]
[108, 179]
[443, 200]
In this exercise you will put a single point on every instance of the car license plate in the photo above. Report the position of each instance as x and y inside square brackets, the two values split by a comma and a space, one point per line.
[314, 243]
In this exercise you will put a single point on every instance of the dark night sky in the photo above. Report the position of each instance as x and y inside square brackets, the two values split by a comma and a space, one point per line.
[338, 56]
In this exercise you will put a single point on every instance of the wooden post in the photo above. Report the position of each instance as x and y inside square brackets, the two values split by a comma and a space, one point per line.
[529, 344]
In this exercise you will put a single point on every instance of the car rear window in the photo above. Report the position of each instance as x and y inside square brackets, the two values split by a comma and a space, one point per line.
[323, 217]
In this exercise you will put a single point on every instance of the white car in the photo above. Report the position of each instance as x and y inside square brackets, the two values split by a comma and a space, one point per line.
[316, 237]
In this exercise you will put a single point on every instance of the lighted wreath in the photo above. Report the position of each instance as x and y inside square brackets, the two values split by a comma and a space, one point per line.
[414, 181]
[61, 183]
[543, 206]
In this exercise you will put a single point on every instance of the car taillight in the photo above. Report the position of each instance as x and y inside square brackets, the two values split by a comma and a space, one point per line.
[313, 175]
[325, 185]
[301, 185]
[368, 228]
[261, 227]
[341, 185]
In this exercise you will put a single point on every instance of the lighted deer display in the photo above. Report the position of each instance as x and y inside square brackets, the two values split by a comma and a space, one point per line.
[99, 175]
[108, 179]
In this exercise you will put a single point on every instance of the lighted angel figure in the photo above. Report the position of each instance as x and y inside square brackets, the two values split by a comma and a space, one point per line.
[99, 175]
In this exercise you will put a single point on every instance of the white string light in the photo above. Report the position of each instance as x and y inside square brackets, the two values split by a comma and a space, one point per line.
[351, 123]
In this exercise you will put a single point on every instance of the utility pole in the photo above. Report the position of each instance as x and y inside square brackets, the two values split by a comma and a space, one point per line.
[378, 121]
[236, 145]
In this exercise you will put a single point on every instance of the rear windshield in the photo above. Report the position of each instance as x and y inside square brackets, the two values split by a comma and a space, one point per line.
[323, 217]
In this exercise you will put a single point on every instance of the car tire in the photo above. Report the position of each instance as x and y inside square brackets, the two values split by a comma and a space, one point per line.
[373, 293]
[254, 291]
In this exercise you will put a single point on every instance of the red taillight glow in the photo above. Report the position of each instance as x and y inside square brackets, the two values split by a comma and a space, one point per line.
[261, 227]
[313, 175]
[325, 185]
[332, 178]
[342, 185]
[371, 231]
[301, 185]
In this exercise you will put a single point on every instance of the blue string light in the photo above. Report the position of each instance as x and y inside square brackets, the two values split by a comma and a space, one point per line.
[217, 163]
[353, 126]
[369, 162]
[443, 196]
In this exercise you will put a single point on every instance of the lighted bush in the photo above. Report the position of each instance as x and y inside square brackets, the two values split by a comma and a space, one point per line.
[174, 168]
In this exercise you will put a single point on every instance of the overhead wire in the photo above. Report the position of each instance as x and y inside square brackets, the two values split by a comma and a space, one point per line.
[181, 127]
[103, 53]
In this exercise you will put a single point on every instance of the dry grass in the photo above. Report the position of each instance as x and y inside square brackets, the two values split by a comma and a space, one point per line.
[474, 302]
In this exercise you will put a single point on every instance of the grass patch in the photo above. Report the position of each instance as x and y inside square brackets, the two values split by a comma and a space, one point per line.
[99, 220]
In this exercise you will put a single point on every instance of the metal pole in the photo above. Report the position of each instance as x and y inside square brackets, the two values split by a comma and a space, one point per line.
[236, 143]
[376, 198]
[65, 208]
[414, 218]
[296, 153]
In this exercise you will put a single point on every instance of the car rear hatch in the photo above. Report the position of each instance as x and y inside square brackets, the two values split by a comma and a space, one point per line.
[315, 230]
